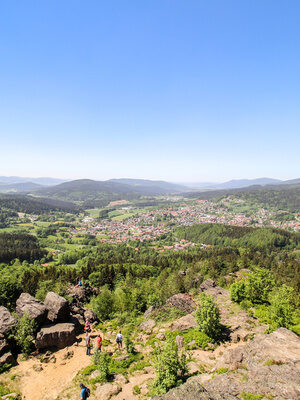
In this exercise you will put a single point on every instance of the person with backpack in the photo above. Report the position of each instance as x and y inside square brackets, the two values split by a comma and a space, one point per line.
[99, 343]
[88, 344]
[85, 392]
[119, 340]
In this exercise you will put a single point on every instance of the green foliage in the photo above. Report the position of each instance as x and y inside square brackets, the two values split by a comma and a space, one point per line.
[192, 335]
[282, 306]
[102, 361]
[221, 371]
[23, 333]
[255, 288]
[259, 285]
[88, 370]
[170, 368]
[238, 291]
[136, 390]
[129, 345]
[3, 390]
[208, 317]
[140, 365]
[250, 396]
[103, 305]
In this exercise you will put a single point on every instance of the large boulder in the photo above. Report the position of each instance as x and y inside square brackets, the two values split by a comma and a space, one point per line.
[182, 301]
[82, 294]
[272, 366]
[90, 315]
[186, 322]
[106, 391]
[6, 356]
[56, 335]
[192, 390]
[34, 308]
[7, 321]
[57, 307]
[147, 325]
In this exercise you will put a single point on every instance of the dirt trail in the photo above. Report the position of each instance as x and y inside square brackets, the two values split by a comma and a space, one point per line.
[48, 383]
[127, 389]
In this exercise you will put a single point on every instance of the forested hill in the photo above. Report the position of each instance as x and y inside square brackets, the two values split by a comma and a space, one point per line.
[87, 189]
[279, 197]
[21, 246]
[31, 205]
[228, 235]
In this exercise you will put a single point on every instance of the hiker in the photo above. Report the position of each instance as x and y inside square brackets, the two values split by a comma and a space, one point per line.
[79, 283]
[85, 392]
[119, 340]
[88, 344]
[99, 343]
[87, 326]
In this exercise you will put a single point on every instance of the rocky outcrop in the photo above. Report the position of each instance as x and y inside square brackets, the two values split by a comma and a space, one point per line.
[186, 322]
[7, 321]
[34, 308]
[182, 301]
[56, 335]
[82, 294]
[106, 391]
[268, 365]
[192, 390]
[147, 325]
[6, 356]
[57, 307]
[90, 315]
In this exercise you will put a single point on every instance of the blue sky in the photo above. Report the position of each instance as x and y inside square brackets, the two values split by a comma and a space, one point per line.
[178, 90]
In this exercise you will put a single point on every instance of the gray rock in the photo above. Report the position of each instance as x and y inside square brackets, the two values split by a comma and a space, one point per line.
[147, 325]
[57, 307]
[182, 301]
[192, 390]
[7, 358]
[148, 312]
[106, 391]
[186, 322]
[34, 308]
[90, 315]
[179, 341]
[56, 335]
[7, 321]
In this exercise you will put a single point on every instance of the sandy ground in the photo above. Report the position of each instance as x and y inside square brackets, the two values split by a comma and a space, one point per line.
[48, 383]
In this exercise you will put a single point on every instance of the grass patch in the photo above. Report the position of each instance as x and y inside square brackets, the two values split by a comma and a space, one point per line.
[273, 362]
[139, 366]
[193, 338]
[250, 396]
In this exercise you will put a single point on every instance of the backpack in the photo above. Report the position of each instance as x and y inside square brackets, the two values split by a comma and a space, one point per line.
[87, 392]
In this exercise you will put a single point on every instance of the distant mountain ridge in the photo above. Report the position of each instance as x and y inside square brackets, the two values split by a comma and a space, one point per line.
[43, 181]
[235, 183]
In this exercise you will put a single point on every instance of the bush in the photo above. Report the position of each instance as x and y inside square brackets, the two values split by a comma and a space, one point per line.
[23, 333]
[259, 285]
[282, 307]
[102, 361]
[208, 317]
[170, 368]
[237, 291]
[102, 305]
[129, 345]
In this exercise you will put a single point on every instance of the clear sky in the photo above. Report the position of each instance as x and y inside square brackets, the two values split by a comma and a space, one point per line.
[178, 90]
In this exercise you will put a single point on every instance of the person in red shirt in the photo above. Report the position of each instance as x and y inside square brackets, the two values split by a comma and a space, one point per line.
[99, 343]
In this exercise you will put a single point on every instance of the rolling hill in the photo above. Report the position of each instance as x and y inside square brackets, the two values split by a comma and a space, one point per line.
[87, 189]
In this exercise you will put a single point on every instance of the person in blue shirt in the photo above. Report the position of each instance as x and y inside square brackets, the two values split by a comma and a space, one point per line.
[83, 392]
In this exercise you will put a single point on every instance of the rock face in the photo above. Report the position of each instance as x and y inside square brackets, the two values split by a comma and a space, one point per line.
[182, 301]
[192, 390]
[56, 335]
[6, 356]
[34, 308]
[268, 364]
[57, 307]
[105, 392]
[7, 321]
[186, 322]
[90, 315]
[147, 325]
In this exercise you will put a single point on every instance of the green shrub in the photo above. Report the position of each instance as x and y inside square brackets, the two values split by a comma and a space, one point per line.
[170, 368]
[89, 369]
[282, 307]
[139, 366]
[237, 291]
[3, 390]
[208, 317]
[136, 390]
[129, 345]
[23, 333]
[103, 305]
[250, 396]
[102, 361]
